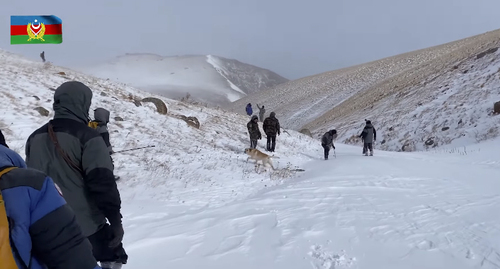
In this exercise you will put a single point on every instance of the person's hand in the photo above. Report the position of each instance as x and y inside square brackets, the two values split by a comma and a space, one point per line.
[117, 233]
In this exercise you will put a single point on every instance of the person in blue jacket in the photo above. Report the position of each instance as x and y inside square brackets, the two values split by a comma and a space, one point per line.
[44, 232]
[249, 109]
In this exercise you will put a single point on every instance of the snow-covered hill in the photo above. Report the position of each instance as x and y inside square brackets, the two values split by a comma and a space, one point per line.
[410, 97]
[208, 79]
[193, 201]
[183, 159]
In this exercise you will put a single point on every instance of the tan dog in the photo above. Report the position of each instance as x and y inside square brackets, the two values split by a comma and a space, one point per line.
[258, 155]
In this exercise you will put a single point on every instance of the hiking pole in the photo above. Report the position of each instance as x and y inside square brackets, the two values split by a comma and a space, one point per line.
[124, 150]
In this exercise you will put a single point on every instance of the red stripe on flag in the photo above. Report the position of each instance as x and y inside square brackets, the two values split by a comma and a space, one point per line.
[50, 29]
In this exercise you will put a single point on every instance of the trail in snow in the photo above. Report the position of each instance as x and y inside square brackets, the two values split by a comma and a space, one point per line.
[393, 210]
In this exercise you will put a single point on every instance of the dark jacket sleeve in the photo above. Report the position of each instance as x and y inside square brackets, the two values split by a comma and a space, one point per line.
[2, 140]
[57, 240]
[374, 134]
[105, 136]
[99, 179]
[278, 127]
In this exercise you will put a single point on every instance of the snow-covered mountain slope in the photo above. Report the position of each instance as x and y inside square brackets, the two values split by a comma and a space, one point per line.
[379, 90]
[184, 158]
[208, 79]
[447, 101]
[193, 201]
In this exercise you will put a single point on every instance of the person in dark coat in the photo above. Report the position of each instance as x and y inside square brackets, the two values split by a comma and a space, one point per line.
[43, 230]
[101, 116]
[368, 135]
[253, 131]
[327, 142]
[271, 127]
[42, 55]
[2, 140]
[262, 112]
[249, 109]
[77, 159]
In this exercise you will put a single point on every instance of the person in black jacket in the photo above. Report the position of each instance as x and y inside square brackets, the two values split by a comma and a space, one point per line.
[271, 127]
[369, 136]
[253, 131]
[327, 142]
[77, 159]
[101, 116]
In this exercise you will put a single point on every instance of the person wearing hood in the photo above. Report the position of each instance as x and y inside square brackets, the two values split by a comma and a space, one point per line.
[327, 142]
[262, 112]
[249, 109]
[368, 135]
[271, 127]
[100, 123]
[101, 117]
[35, 218]
[253, 131]
[77, 159]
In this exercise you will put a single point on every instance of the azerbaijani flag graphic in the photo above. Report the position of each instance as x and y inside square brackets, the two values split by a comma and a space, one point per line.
[35, 30]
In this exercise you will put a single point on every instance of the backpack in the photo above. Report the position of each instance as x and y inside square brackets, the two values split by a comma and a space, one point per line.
[93, 124]
[6, 254]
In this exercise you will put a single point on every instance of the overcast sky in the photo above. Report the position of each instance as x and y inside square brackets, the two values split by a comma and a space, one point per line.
[293, 38]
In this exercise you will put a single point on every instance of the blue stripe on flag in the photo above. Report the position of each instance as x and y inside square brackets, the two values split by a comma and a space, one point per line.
[24, 20]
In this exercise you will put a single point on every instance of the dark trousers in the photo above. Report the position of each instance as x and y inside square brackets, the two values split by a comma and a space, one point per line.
[327, 151]
[102, 252]
[271, 142]
[253, 143]
[367, 146]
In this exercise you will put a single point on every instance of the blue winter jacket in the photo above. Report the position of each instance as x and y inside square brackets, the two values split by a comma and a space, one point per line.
[44, 231]
[249, 110]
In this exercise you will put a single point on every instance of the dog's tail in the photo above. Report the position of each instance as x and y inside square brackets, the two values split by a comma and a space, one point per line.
[275, 157]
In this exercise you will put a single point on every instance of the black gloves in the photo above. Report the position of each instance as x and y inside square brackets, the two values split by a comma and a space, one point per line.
[260, 136]
[116, 230]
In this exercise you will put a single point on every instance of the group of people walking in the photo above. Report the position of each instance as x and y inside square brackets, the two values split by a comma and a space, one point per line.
[271, 127]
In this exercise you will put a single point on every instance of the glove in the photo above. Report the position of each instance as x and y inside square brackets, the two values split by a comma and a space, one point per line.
[333, 147]
[260, 137]
[116, 232]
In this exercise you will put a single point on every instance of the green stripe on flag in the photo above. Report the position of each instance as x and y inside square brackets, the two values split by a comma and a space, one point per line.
[23, 39]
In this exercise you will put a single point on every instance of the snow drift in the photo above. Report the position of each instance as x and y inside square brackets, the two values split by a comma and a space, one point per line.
[206, 78]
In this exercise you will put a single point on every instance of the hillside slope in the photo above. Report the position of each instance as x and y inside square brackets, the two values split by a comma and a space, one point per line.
[343, 98]
[207, 78]
[448, 101]
[193, 201]
[184, 158]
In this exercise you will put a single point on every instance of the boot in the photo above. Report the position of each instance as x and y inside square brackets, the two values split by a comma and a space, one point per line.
[371, 153]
